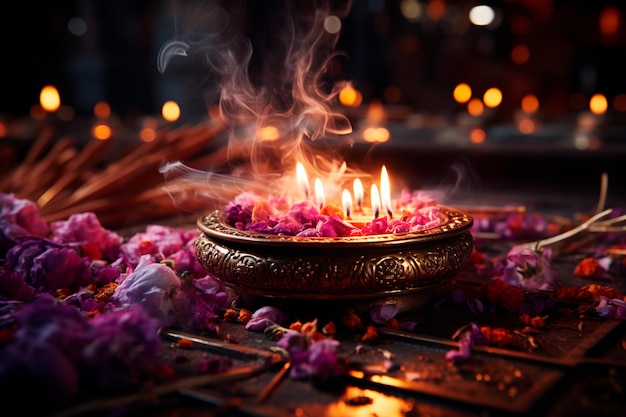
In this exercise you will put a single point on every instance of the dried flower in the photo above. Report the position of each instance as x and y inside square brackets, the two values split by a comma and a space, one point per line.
[19, 218]
[611, 308]
[497, 336]
[528, 269]
[265, 317]
[317, 359]
[231, 314]
[185, 343]
[505, 297]
[47, 266]
[589, 268]
[468, 336]
[382, 313]
[84, 230]
[329, 329]
[536, 321]
[244, 316]
[370, 334]
[351, 320]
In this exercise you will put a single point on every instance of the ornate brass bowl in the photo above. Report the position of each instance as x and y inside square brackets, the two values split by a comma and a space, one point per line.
[402, 268]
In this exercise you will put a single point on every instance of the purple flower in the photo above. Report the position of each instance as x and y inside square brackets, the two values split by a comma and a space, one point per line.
[382, 313]
[103, 272]
[310, 358]
[305, 213]
[159, 242]
[122, 349]
[47, 266]
[265, 317]
[151, 284]
[469, 336]
[13, 287]
[611, 308]
[376, 227]
[19, 218]
[333, 226]
[186, 261]
[83, 229]
[528, 269]
[28, 366]
[197, 307]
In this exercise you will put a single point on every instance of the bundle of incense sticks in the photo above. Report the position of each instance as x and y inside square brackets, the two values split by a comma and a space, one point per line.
[119, 182]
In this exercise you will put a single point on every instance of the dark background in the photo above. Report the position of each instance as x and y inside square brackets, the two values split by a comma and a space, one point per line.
[115, 60]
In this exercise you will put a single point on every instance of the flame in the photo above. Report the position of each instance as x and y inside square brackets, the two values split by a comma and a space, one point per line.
[357, 186]
[385, 191]
[303, 180]
[346, 202]
[319, 193]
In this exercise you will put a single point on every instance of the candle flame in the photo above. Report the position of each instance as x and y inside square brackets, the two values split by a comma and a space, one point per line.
[319, 193]
[385, 191]
[346, 202]
[375, 197]
[358, 192]
[303, 180]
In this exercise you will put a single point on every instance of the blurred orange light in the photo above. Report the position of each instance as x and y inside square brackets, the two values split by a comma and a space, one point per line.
[147, 134]
[3, 129]
[376, 112]
[102, 110]
[49, 98]
[530, 103]
[376, 134]
[520, 54]
[268, 133]
[475, 107]
[492, 97]
[598, 104]
[477, 135]
[609, 21]
[436, 10]
[101, 131]
[462, 93]
[350, 97]
[170, 111]
[527, 126]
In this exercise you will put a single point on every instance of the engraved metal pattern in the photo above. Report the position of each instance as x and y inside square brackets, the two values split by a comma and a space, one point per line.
[335, 268]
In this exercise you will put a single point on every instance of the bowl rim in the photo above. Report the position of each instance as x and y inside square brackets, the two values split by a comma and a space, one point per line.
[455, 222]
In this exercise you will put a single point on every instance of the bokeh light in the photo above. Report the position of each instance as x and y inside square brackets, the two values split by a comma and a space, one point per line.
[482, 15]
[462, 93]
[170, 111]
[49, 98]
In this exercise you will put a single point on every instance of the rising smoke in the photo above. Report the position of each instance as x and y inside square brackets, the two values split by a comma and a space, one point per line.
[271, 63]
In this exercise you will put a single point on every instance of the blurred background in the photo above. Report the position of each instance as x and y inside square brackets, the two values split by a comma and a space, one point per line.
[509, 96]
